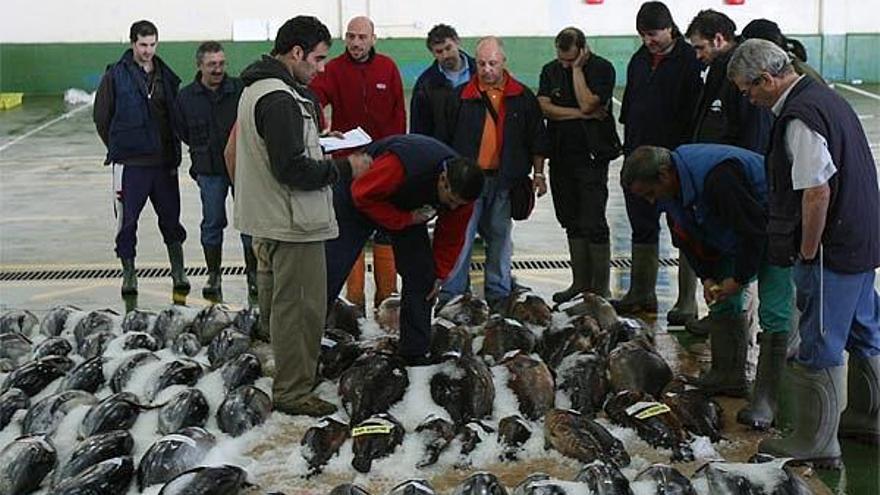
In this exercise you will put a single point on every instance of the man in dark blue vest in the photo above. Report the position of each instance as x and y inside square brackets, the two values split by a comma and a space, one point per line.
[716, 197]
[823, 218]
[134, 114]
[413, 179]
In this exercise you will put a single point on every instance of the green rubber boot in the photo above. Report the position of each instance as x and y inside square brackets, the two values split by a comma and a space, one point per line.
[213, 258]
[129, 277]
[729, 346]
[178, 272]
[578, 250]
[600, 270]
[685, 308]
[641, 296]
[760, 414]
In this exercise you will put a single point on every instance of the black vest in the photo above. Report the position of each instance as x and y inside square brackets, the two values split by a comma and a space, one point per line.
[851, 238]
[423, 158]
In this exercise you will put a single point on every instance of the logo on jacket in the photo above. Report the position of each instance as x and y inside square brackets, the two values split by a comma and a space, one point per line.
[381, 86]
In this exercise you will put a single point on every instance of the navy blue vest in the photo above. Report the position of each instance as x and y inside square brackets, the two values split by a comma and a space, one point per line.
[851, 238]
[693, 162]
[132, 131]
[422, 158]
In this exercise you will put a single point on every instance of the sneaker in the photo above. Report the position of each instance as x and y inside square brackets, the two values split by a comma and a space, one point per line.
[308, 405]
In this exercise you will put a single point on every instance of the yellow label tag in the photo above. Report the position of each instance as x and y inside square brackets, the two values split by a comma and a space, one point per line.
[371, 430]
[650, 412]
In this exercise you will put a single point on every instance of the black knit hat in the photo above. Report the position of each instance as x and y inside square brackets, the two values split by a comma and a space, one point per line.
[654, 16]
[763, 29]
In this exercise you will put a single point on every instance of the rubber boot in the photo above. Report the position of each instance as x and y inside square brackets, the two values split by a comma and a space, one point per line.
[819, 401]
[760, 414]
[213, 256]
[354, 284]
[600, 270]
[700, 326]
[129, 277]
[384, 273]
[641, 296]
[727, 376]
[685, 308]
[178, 272]
[250, 271]
[861, 419]
[578, 250]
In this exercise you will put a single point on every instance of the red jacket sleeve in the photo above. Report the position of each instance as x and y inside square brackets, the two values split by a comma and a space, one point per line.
[322, 86]
[372, 191]
[449, 235]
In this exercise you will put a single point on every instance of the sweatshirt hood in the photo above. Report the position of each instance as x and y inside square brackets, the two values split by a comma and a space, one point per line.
[268, 68]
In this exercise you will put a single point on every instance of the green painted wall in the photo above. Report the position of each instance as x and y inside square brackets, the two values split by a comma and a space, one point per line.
[52, 68]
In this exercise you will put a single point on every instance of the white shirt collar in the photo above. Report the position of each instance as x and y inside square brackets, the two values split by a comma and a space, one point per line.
[777, 107]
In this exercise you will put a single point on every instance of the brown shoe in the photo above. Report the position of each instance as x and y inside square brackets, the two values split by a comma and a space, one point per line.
[308, 405]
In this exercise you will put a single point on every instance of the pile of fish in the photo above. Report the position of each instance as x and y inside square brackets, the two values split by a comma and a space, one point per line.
[74, 385]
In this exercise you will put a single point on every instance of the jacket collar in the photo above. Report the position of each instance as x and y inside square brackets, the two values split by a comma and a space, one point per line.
[225, 85]
[370, 57]
[676, 52]
[512, 87]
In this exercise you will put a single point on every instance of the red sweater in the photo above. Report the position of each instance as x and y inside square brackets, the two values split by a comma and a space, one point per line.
[367, 94]
[372, 193]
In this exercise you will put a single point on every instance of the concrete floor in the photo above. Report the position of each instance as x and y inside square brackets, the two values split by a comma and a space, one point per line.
[56, 212]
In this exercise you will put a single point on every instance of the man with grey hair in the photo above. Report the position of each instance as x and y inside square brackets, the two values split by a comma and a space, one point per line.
[823, 218]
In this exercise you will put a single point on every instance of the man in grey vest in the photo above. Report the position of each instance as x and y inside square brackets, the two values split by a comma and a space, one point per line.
[285, 201]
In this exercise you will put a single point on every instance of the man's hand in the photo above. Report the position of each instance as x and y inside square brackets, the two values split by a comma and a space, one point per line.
[422, 215]
[581, 58]
[360, 163]
[334, 134]
[710, 289]
[728, 287]
[438, 284]
[539, 185]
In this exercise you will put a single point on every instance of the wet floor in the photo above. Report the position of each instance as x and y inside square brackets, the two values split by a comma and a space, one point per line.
[56, 212]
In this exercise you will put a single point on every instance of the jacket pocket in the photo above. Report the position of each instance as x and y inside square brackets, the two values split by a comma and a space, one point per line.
[311, 211]
[781, 242]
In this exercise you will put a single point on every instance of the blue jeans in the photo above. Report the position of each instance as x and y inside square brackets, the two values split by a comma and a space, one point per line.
[213, 190]
[838, 311]
[491, 218]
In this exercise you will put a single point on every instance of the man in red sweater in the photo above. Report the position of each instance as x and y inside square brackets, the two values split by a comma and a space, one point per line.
[364, 89]
[413, 178]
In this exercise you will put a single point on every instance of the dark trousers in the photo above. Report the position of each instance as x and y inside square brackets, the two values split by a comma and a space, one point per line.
[644, 218]
[133, 185]
[413, 256]
[580, 196]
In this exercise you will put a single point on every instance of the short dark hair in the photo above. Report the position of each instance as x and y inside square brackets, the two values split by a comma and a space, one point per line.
[644, 165]
[304, 31]
[142, 28]
[654, 16]
[710, 22]
[465, 178]
[440, 33]
[766, 29]
[570, 36]
[207, 47]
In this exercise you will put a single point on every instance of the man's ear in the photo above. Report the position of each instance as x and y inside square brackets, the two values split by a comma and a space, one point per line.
[296, 53]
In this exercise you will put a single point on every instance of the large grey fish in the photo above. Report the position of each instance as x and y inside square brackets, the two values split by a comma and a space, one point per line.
[604, 479]
[635, 365]
[179, 372]
[228, 344]
[463, 386]
[348, 489]
[654, 422]
[481, 484]
[18, 321]
[343, 315]
[33, 376]
[549, 486]
[243, 409]
[449, 337]
[140, 340]
[56, 320]
[372, 385]
[116, 412]
[513, 433]
[247, 321]
[112, 476]
[7, 365]
[576, 436]
[43, 417]
[698, 413]
[525, 487]
[663, 480]
[11, 401]
[92, 450]
[172, 455]
[582, 377]
[322, 441]
[52, 346]
[503, 335]
[171, 322]
[188, 408]
[87, 375]
[94, 344]
[768, 478]
[99, 320]
[214, 480]
[126, 367]
[243, 370]
[581, 334]
[210, 321]
[472, 434]
[529, 307]
[437, 433]
[186, 344]
[413, 487]
[139, 320]
[532, 383]
[15, 347]
[24, 464]
[339, 350]
[375, 438]
[465, 310]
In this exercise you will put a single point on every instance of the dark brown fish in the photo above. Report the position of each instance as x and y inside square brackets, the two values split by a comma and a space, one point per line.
[465, 310]
[376, 437]
[321, 442]
[437, 434]
[654, 422]
[635, 365]
[449, 337]
[463, 386]
[503, 335]
[372, 385]
[513, 432]
[581, 438]
[528, 307]
[532, 383]
[582, 377]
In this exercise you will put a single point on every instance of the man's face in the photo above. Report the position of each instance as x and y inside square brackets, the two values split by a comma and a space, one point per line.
[444, 193]
[144, 49]
[567, 57]
[761, 91]
[447, 53]
[706, 49]
[212, 68]
[305, 68]
[491, 64]
[359, 39]
[665, 188]
[657, 41]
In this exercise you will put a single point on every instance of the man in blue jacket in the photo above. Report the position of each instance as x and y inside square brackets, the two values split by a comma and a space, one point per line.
[134, 114]
[717, 196]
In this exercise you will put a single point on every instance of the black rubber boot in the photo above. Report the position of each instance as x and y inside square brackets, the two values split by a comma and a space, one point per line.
[641, 297]
[861, 419]
[600, 270]
[213, 259]
[129, 277]
[250, 271]
[760, 414]
[178, 272]
[578, 250]
[729, 346]
[685, 308]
